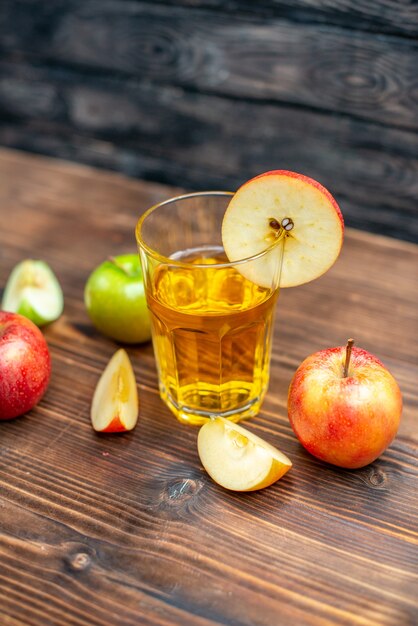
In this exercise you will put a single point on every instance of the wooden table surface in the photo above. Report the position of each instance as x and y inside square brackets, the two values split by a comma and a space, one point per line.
[128, 529]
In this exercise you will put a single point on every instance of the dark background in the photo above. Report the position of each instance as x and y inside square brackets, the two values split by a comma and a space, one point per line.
[205, 94]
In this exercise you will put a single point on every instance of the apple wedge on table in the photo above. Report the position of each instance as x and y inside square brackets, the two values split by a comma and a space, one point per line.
[33, 290]
[115, 404]
[237, 459]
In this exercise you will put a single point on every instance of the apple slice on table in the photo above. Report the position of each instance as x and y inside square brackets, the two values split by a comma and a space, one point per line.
[33, 290]
[237, 459]
[281, 203]
[115, 400]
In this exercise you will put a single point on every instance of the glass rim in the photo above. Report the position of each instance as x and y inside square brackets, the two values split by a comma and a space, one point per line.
[169, 261]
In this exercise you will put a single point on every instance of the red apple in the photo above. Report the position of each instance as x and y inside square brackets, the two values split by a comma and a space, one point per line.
[25, 365]
[344, 406]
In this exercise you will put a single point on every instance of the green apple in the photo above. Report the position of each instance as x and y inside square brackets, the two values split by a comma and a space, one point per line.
[115, 299]
[33, 290]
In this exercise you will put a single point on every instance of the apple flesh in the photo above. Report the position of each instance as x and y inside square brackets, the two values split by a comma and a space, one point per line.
[237, 459]
[115, 401]
[347, 420]
[115, 300]
[25, 365]
[33, 290]
[283, 204]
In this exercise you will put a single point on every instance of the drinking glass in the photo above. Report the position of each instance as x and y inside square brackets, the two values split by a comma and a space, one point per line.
[211, 324]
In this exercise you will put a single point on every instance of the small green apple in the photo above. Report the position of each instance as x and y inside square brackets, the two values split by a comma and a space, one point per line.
[115, 299]
[33, 290]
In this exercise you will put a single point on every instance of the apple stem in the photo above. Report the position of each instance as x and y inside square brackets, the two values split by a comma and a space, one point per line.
[348, 349]
[116, 262]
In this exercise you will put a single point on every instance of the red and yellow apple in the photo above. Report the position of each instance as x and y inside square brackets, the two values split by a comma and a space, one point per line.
[344, 406]
[25, 365]
[114, 408]
[289, 206]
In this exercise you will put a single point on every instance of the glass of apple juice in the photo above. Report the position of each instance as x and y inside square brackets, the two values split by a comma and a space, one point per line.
[211, 324]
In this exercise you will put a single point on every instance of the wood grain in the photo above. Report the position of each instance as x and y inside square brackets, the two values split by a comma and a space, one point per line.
[191, 139]
[127, 530]
[379, 16]
[205, 94]
[323, 67]
[388, 16]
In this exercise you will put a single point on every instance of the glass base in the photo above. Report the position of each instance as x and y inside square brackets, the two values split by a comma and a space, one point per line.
[198, 417]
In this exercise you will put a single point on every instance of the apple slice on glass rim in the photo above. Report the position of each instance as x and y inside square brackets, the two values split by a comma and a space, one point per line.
[237, 459]
[115, 401]
[33, 290]
[281, 204]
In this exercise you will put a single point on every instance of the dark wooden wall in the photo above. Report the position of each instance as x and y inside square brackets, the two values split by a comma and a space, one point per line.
[205, 94]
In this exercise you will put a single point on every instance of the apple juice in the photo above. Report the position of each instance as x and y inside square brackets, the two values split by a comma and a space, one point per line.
[212, 333]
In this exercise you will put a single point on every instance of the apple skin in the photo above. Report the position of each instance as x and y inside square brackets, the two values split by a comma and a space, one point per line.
[115, 426]
[115, 300]
[347, 421]
[25, 365]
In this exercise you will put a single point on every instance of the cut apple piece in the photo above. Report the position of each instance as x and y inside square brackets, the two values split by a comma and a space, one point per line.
[281, 203]
[237, 459]
[34, 291]
[115, 400]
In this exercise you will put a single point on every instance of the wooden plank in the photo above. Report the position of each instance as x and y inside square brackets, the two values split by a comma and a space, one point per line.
[377, 16]
[127, 530]
[323, 67]
[197, 140]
